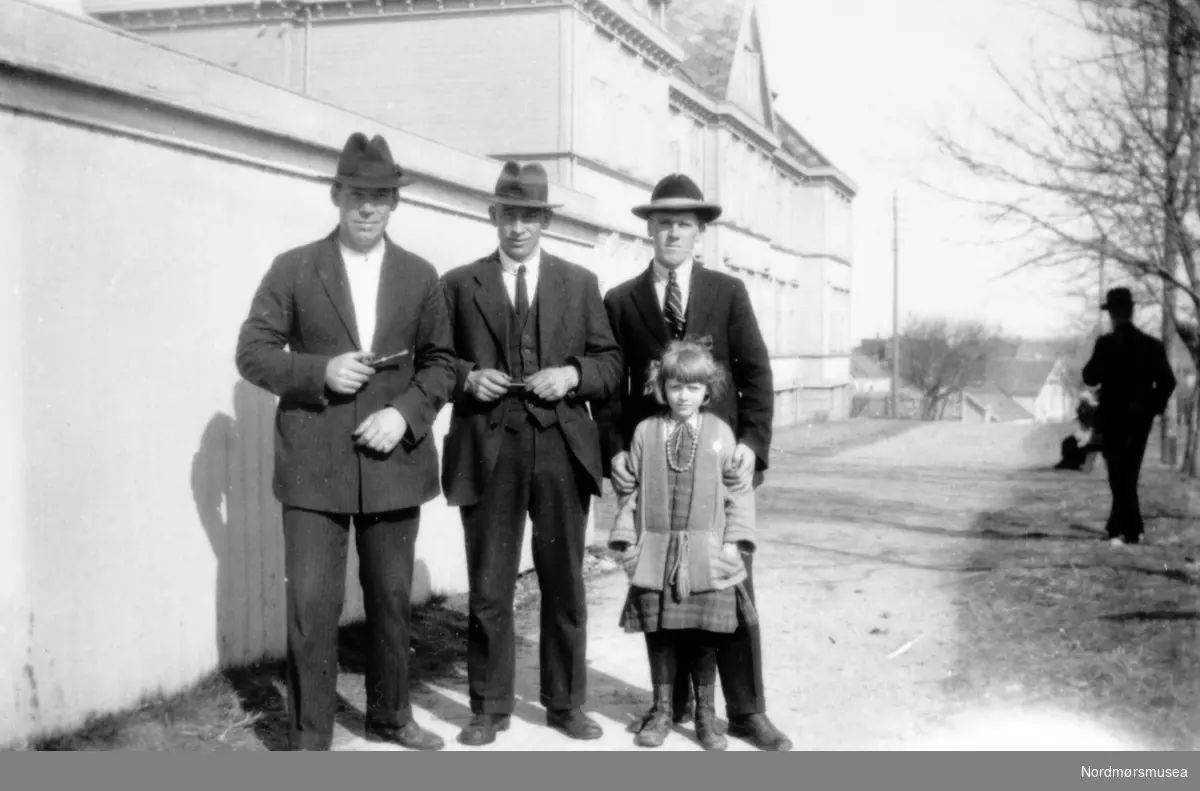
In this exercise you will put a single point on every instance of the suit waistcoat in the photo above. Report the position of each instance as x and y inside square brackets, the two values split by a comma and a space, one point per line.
[524, 360]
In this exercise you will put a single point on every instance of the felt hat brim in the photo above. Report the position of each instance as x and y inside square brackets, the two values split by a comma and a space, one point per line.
[385, 183]
[523, 203]
[706, 212]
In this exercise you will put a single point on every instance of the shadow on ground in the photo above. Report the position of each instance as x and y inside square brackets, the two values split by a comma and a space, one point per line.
[1058, 617]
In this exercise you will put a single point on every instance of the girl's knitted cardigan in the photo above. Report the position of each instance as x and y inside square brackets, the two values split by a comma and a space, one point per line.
[642, 527]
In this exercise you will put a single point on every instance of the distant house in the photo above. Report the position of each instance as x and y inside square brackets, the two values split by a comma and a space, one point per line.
[1023, 390]
[869, 376]
[990, 404]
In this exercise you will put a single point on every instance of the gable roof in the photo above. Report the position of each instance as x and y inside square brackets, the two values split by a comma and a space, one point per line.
[865, 367]
[1002, 406]
[708, 31]
[795, 144]
[1020, 378]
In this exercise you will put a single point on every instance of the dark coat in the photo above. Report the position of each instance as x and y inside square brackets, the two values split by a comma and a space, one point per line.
[718, 307]
[301, 317]
[572, 329]
[1134, 376]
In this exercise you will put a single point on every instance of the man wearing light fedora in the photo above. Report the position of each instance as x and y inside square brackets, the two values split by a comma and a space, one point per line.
[534, 348]
[1136, 382]
[675, 296]
[351, 333]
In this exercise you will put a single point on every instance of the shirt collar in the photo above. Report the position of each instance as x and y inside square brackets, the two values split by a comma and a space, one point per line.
[510, 265]
[374, 254]
[693, 422]
[683, 273]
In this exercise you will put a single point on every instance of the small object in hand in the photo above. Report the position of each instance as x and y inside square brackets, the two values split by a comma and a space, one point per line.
[377, 362]
[516, 384]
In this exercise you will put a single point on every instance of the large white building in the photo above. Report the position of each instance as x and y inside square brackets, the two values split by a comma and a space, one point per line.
[148, 175]
[610, 95]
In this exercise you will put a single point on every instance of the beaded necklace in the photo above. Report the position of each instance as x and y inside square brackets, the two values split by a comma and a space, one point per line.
[674, 442]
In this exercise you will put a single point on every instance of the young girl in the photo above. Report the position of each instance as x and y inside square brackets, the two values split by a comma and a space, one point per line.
[680, 534]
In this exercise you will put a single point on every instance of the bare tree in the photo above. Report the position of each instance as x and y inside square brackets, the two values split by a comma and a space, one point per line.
[1104, 165]
[941, 359]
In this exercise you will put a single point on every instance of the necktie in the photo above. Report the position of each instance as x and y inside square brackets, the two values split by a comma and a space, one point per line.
[674, 306]
[522, 296]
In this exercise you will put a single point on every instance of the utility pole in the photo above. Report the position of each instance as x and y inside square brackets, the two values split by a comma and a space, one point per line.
[895, 306]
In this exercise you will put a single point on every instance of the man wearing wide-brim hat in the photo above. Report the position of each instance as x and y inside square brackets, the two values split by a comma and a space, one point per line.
[534, 349]
[1136, 381]
[677, 297]
[351, 333]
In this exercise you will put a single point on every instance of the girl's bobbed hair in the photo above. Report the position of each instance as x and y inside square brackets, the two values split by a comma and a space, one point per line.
[688, 361]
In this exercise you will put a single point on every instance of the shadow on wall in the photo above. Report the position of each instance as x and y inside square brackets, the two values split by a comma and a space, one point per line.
[231, 487]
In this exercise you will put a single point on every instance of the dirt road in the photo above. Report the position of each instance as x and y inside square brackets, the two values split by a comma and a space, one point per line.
[860, 553]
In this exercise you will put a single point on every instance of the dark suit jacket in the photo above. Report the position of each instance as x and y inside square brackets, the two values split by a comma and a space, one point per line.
[572, 329]
[302, 316]
[1134, 376]
[718, 307]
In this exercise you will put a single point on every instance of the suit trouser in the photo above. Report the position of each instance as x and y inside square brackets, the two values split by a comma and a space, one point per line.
[1124, 451]
[315, 550]
[739, 661]
[535, 474]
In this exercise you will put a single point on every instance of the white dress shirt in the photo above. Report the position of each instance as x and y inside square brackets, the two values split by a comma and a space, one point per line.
[364, 270]
[508, 271]
[683, 274]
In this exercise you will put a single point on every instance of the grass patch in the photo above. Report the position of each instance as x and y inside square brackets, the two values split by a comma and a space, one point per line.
[244, 708]
[1056, 615]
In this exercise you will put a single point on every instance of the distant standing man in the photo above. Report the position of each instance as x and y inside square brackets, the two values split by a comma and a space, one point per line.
[352, 438]
[1136, 381]
[676, 296]
[533, 347]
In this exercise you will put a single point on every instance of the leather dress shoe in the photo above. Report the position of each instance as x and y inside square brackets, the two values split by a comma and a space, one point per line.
[482, 729]
[758, 730]
[410, 735]
[574, 723]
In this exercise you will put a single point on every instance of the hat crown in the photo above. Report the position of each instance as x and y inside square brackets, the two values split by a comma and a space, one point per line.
[1119, 297]
[677, 186]
[678, 193]
[368, 162]
[523, 183]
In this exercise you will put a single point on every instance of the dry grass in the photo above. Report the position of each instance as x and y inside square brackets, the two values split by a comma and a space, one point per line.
[243, 708]
[1057, 615]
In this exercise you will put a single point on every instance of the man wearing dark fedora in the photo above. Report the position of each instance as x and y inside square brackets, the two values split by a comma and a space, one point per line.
[1136, 382]
[351, 333]
[534, 348]
[675, 296]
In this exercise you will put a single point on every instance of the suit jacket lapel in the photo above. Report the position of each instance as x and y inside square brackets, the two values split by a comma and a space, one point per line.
[551, 301]
[701, 296]
[392, 303]
[646, 300]
[492, 299]
[332, 271]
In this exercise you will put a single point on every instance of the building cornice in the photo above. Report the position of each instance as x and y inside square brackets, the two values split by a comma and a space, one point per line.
[182, 15]
[633, 29]
[692, 101]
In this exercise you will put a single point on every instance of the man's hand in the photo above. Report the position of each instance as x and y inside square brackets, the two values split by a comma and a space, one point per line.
[347, 373]
[487, 384]
[551, 384]
[381, 431]
[740, 476]
[622, 475]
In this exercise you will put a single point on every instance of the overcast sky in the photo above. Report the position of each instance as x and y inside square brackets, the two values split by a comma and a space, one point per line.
[864, 80]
